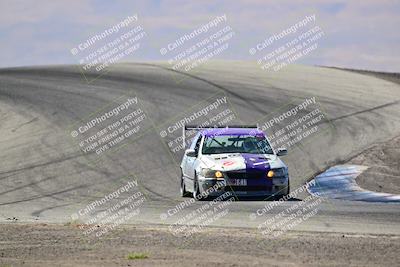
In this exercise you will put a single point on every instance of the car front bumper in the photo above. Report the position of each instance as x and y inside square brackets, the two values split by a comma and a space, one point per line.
[214, 187]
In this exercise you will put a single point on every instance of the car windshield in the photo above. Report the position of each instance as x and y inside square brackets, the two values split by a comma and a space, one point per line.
[236, 144]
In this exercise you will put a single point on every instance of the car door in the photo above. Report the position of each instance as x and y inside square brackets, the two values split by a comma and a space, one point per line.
[186, 161]
[191, 161]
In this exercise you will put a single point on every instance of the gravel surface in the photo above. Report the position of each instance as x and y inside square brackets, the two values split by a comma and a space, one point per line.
[64, 245]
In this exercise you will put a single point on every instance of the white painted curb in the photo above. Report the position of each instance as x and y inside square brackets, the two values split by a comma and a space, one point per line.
[339, 182]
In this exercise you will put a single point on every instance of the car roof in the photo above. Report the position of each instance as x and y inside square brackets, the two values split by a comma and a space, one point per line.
[210, 132]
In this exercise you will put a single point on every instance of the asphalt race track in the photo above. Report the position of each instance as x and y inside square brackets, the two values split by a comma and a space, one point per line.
[44, 177]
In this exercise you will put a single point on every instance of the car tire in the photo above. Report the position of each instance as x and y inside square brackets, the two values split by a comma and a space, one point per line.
[288, 188]
[183, 191]
[196, 190]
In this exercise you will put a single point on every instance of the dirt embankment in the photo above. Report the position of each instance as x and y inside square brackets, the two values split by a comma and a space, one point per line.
[58, 245]
[383, 174]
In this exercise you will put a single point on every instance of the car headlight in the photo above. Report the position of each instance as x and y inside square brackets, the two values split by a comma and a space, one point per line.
[212, 174]
[276, 172]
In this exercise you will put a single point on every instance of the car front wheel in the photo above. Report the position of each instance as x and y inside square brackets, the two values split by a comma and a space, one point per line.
[183, 191]
[196, 190]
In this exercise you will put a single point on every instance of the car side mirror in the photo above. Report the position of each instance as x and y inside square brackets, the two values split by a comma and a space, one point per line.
[191, 153]
[282, 152]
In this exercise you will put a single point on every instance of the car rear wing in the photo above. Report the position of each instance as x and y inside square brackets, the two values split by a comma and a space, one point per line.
[198, 128]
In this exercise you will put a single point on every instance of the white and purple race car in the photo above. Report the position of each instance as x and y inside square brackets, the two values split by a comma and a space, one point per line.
[238, 159]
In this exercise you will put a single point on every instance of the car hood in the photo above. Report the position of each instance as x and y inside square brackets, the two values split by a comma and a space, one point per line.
[241, 161]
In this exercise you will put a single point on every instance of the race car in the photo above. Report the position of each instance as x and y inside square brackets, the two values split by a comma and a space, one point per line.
[236, 159]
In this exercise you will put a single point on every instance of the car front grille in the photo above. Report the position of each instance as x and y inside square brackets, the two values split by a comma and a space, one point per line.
[246, 175]
[234, 188]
